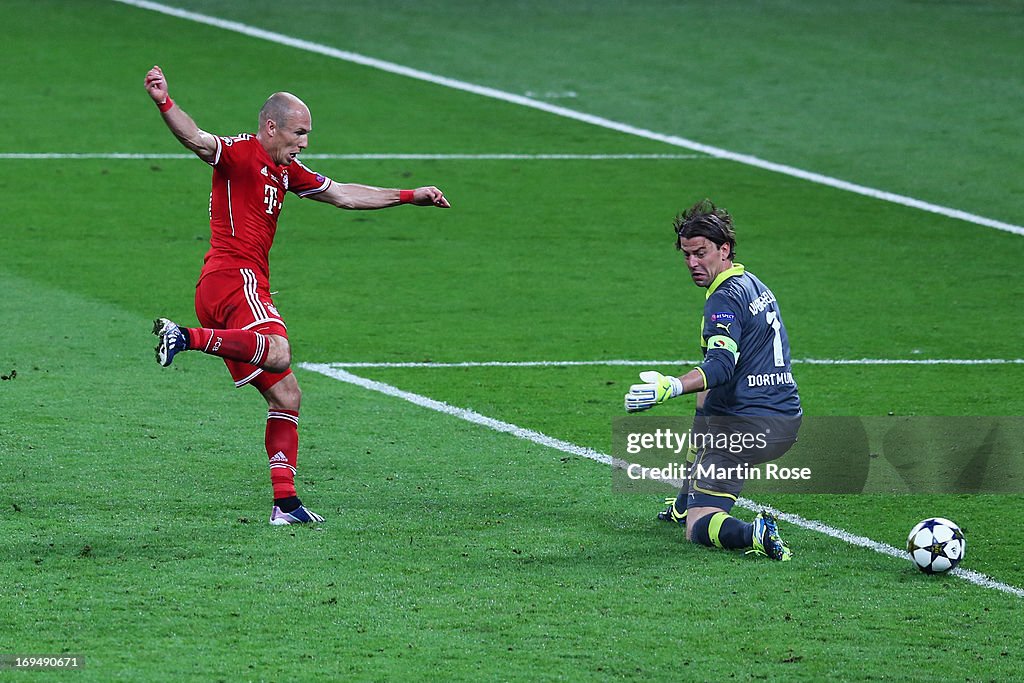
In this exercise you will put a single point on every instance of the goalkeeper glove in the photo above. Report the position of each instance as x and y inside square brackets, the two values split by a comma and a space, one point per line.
[657, 389]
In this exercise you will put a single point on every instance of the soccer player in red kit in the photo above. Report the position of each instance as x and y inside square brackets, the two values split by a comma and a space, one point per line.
[239, 322]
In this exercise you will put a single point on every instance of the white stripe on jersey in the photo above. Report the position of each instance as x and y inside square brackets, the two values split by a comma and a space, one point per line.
[252, 296]
[316, 190]
[309, 193]
[216, 155]
[231, 214]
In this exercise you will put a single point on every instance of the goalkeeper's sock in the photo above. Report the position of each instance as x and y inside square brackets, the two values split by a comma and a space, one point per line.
[282, 441]
[244, 346]
[722, 530]
[682, 499]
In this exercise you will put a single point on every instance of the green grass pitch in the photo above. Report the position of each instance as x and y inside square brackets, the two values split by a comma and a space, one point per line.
[135, 498]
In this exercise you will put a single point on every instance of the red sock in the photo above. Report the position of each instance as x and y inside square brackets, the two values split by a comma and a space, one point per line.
[245, 346]
[283, 450]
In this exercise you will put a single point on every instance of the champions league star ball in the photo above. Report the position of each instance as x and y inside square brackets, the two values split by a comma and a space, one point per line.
[936, 545]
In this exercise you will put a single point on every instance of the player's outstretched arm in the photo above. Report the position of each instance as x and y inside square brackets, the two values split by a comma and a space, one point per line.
[203, 144]
[658, 388]
[355, 196]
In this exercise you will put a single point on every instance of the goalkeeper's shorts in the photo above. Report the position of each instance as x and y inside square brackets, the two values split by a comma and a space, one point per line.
[716, 474]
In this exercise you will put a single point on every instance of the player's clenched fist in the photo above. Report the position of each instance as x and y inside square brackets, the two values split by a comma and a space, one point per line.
[156, 85]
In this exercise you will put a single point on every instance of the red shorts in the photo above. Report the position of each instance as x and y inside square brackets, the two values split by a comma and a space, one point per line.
[239, 299]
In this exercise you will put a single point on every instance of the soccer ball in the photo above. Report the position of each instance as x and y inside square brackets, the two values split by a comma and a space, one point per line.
[936, 545]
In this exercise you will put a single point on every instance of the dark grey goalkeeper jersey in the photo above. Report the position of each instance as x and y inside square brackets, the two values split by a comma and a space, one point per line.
[746, 350]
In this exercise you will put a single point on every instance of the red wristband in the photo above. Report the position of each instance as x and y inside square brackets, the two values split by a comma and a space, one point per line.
[405, 196]
[168, 103]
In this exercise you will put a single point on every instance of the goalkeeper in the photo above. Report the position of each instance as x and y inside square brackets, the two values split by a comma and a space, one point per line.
[744, 387]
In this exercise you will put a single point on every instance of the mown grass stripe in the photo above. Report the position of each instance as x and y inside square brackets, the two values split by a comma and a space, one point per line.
[401, 156]
[673, 362]
[483, 91]
[329, 370]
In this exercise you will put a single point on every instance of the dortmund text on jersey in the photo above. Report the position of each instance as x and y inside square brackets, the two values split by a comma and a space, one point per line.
[746, 350]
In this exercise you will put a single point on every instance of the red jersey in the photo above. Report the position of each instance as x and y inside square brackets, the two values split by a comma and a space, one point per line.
[246, 199]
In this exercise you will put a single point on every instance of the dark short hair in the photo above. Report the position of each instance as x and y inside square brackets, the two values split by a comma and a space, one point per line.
[704, 219]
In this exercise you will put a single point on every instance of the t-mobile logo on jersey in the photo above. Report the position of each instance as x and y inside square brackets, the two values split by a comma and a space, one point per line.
[270, 198]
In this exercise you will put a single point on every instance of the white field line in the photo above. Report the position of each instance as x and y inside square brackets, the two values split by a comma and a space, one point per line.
[412, 156]
[461, 413]
[483, 91]
[329, 370]
[657, 363]
[968, 575]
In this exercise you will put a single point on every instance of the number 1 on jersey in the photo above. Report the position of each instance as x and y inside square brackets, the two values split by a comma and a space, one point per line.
[773, 319]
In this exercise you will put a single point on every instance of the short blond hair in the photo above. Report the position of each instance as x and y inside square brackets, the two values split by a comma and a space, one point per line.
[277, 108]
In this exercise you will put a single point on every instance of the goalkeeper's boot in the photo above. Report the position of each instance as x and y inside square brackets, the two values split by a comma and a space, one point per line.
[172, 340]
[766, 538]
[670, 514]
[300, 515]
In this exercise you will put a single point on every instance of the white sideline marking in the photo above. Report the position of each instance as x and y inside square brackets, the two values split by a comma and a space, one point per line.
[461, 413]
[366, 157]
[483, 91]
[656, 363]
[969, 575]
[328, 370]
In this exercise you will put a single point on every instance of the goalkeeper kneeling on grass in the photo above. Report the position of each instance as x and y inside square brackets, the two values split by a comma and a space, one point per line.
[744, 388]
